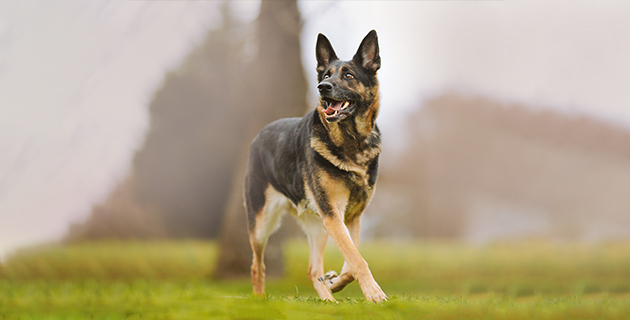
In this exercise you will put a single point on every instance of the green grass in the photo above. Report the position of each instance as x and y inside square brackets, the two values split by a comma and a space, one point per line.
[172, 280]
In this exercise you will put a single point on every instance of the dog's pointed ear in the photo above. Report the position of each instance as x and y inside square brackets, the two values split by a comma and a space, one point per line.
[324, 52]
[367, 56]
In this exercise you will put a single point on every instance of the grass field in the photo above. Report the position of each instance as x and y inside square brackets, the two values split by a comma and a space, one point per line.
[172, 280]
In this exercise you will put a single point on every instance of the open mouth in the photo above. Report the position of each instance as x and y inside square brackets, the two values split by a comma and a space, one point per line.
[335, 109]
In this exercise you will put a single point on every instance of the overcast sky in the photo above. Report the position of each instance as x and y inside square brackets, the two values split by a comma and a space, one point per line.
[76, 77]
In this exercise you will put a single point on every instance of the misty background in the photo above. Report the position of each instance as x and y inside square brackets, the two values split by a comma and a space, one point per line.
[501, 120]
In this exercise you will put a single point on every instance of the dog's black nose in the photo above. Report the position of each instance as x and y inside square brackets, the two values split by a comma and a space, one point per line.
[324, 87]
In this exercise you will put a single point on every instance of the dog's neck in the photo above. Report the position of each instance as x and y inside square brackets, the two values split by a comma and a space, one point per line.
[355, 131]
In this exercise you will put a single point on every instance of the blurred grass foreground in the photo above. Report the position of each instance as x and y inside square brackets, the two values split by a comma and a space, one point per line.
[425, 280]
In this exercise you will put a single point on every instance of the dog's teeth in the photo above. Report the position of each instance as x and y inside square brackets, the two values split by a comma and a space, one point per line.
[345, 105]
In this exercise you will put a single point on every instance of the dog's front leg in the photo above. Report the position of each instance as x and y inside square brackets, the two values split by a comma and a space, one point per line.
[333, 223]
[337, 283]
[331, 196]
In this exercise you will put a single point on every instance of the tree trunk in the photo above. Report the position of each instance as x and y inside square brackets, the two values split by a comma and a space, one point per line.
[277, 90]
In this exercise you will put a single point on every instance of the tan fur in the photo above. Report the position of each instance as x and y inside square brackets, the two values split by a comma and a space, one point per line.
[258, 266]
[335, 133]
[368, 154]
[365, 124]
[336, 191]
[342, 164]
[267, 222]
[346, 276]
[311, 224]
[336, 227]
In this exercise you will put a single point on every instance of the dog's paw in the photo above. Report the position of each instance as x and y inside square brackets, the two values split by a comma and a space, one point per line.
[338, 283]
[373, 292]
[378, 298]
[328, 277]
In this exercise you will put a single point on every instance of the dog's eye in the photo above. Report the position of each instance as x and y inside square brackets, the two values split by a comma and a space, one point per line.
[326, 76]
[349, 76]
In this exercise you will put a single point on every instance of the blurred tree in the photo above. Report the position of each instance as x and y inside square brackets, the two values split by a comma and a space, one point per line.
[277, 90]
[192, 144]
[182, 169]
[203, 117]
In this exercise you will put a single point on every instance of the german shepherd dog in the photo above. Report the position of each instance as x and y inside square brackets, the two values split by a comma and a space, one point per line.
[322, 169]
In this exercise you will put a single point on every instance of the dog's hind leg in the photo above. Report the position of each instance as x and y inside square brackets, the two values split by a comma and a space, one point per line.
[264, 224]
[317, 238]
[258, 264]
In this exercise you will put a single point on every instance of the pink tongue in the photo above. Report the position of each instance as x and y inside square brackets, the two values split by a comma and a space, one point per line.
[334, 106]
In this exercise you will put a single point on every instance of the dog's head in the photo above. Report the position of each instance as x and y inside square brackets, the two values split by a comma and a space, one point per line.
[347, 89]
